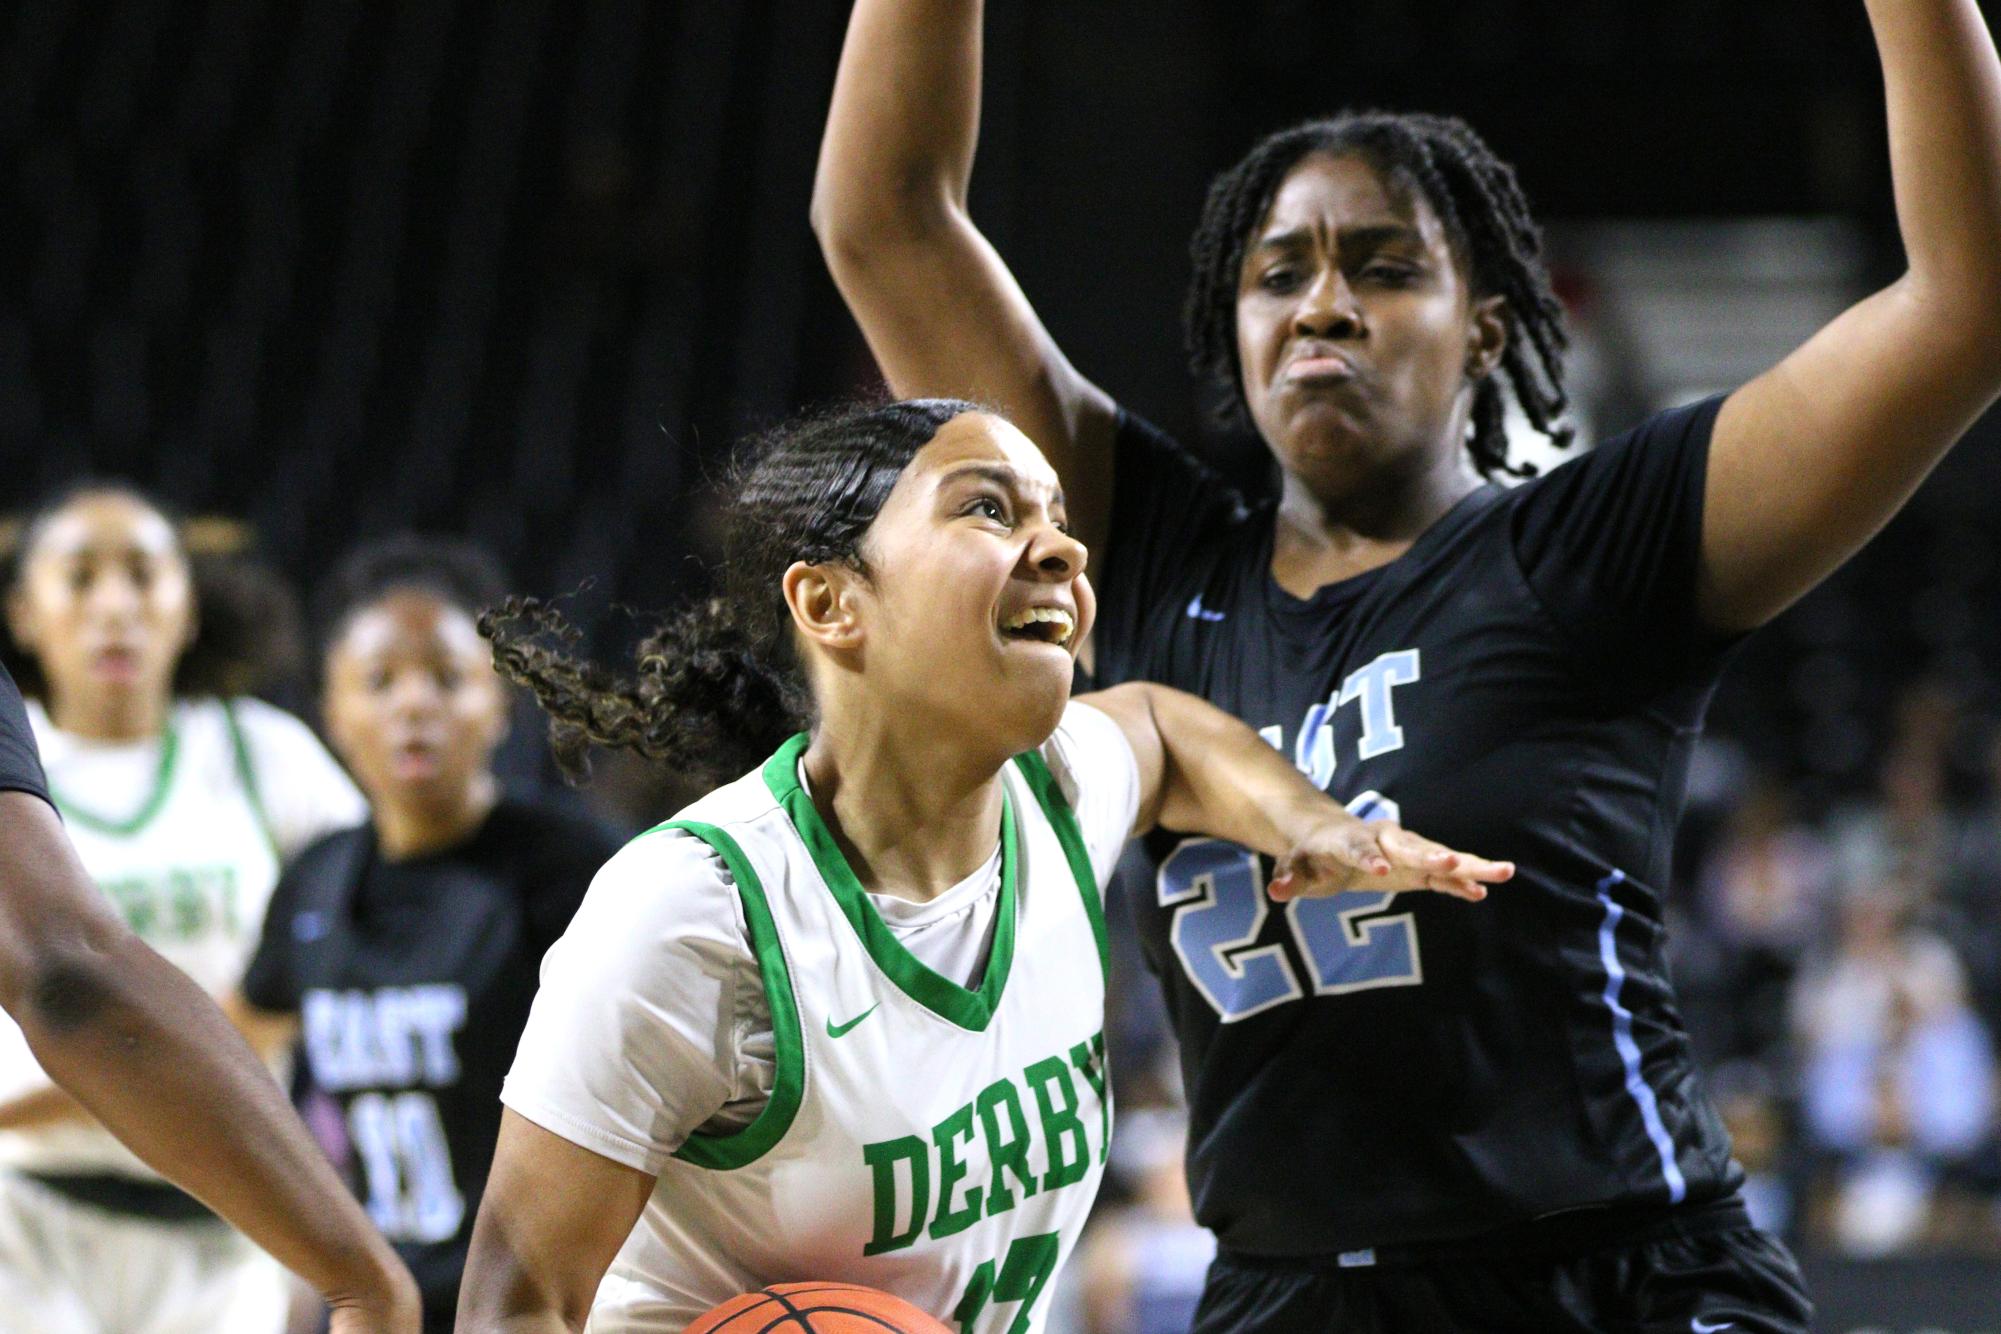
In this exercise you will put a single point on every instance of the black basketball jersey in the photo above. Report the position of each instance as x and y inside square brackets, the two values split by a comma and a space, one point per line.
[412, 981]
[1524, 683]
[20, 761]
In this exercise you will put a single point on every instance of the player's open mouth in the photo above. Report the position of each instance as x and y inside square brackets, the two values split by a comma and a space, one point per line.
[1048, 625]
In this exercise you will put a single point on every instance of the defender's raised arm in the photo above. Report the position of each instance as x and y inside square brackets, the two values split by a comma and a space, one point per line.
[941, 312]
[1814, 456]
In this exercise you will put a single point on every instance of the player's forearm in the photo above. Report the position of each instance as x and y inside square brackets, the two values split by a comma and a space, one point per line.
[551, 1219]
[904, 120]
[1215, 775]
[503, 1291]
[520, 1310]
[151, 1057]
[1942, 83]
[44, 1106]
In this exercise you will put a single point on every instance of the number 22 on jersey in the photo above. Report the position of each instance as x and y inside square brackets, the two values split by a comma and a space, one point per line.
[1217, 891]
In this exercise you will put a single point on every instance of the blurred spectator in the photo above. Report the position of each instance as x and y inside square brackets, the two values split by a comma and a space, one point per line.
[1971, 911]
[1759, 907]
[1747, 1101]
[1141, 1267]
[1904, 844]
[1897, 1076]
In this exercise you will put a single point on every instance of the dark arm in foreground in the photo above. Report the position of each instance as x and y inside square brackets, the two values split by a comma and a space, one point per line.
[138, 1044]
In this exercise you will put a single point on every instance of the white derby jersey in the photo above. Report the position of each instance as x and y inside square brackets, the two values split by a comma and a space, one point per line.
[941, 1143]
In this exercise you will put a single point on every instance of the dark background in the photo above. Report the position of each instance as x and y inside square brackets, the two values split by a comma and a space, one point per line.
[527, 270]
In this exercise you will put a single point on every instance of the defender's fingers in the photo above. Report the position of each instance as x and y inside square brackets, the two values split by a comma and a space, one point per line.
[1415, 850]
[1356, 849]
[1419, 852]
[1472, 891]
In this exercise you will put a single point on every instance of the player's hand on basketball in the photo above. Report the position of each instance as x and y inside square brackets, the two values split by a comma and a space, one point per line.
[1339, 856]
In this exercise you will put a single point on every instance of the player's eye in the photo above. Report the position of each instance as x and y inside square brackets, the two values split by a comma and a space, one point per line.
[1390, 273]
[986, 507]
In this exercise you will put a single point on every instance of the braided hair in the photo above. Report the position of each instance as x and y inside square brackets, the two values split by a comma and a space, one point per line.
[1485, 216]
[717, 685]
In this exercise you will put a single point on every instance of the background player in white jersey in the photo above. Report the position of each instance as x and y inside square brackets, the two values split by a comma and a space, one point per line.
[843, 1018]
[182, 803]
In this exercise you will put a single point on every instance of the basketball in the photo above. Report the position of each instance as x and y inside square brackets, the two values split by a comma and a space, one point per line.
[821, 1308]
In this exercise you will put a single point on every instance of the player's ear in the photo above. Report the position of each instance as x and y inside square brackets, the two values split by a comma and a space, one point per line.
[1486, 336]
[822, 601]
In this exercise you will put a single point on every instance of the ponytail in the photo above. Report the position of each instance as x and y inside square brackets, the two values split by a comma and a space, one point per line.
[717, 686]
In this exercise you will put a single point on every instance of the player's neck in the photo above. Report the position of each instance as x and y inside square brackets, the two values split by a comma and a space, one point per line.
[1320, 540]
[910, 822]
[110, 718]
[406, 829]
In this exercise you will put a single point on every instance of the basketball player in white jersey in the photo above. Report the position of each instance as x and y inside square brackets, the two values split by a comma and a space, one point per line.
[843, 1018]
[182, 805]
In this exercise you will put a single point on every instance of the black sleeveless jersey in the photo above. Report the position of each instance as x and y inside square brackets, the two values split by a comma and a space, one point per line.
[412, 981]
[1525, 683]
[20, 761]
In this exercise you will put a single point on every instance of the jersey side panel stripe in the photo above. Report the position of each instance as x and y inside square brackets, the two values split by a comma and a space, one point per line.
[1637, 1087]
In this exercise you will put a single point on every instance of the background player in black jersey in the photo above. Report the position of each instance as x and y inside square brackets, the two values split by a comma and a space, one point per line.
[1422, 1118]
[133, 1039]
[403, 954]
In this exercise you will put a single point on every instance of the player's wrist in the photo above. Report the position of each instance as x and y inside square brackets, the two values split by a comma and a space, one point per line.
[1309, 817]
[381, 1296]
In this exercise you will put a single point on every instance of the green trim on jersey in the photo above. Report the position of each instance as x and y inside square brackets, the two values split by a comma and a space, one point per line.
[971, 1010]
[788, 1086]
[163, 783]
[246, 769]
[1056, 809]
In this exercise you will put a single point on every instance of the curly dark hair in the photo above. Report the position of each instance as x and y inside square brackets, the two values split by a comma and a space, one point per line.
[1485, 215]
[247, 637]
[717, 686]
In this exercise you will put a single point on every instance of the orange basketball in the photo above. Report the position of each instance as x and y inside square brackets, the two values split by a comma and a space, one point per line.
[816, 1308]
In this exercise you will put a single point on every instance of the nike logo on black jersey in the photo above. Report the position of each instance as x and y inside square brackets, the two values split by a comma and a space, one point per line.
[309, 926]
[1198, 612]
[835, 1030]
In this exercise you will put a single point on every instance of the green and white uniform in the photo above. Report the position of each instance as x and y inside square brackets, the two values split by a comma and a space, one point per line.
[832, 1084]
[185, 834]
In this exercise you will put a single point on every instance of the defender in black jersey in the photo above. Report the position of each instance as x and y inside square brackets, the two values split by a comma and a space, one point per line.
[404, 954]
[1531, 673]
[1404, 1119]
[412, 980]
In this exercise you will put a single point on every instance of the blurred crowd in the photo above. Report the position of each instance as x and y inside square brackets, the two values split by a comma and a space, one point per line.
[1841, 981]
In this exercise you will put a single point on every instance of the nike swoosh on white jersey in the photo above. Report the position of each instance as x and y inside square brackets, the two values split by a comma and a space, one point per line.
[1198, 612]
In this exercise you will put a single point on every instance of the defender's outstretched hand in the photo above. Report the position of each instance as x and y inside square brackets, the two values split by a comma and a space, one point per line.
[1379, 855]
[1202, 771]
